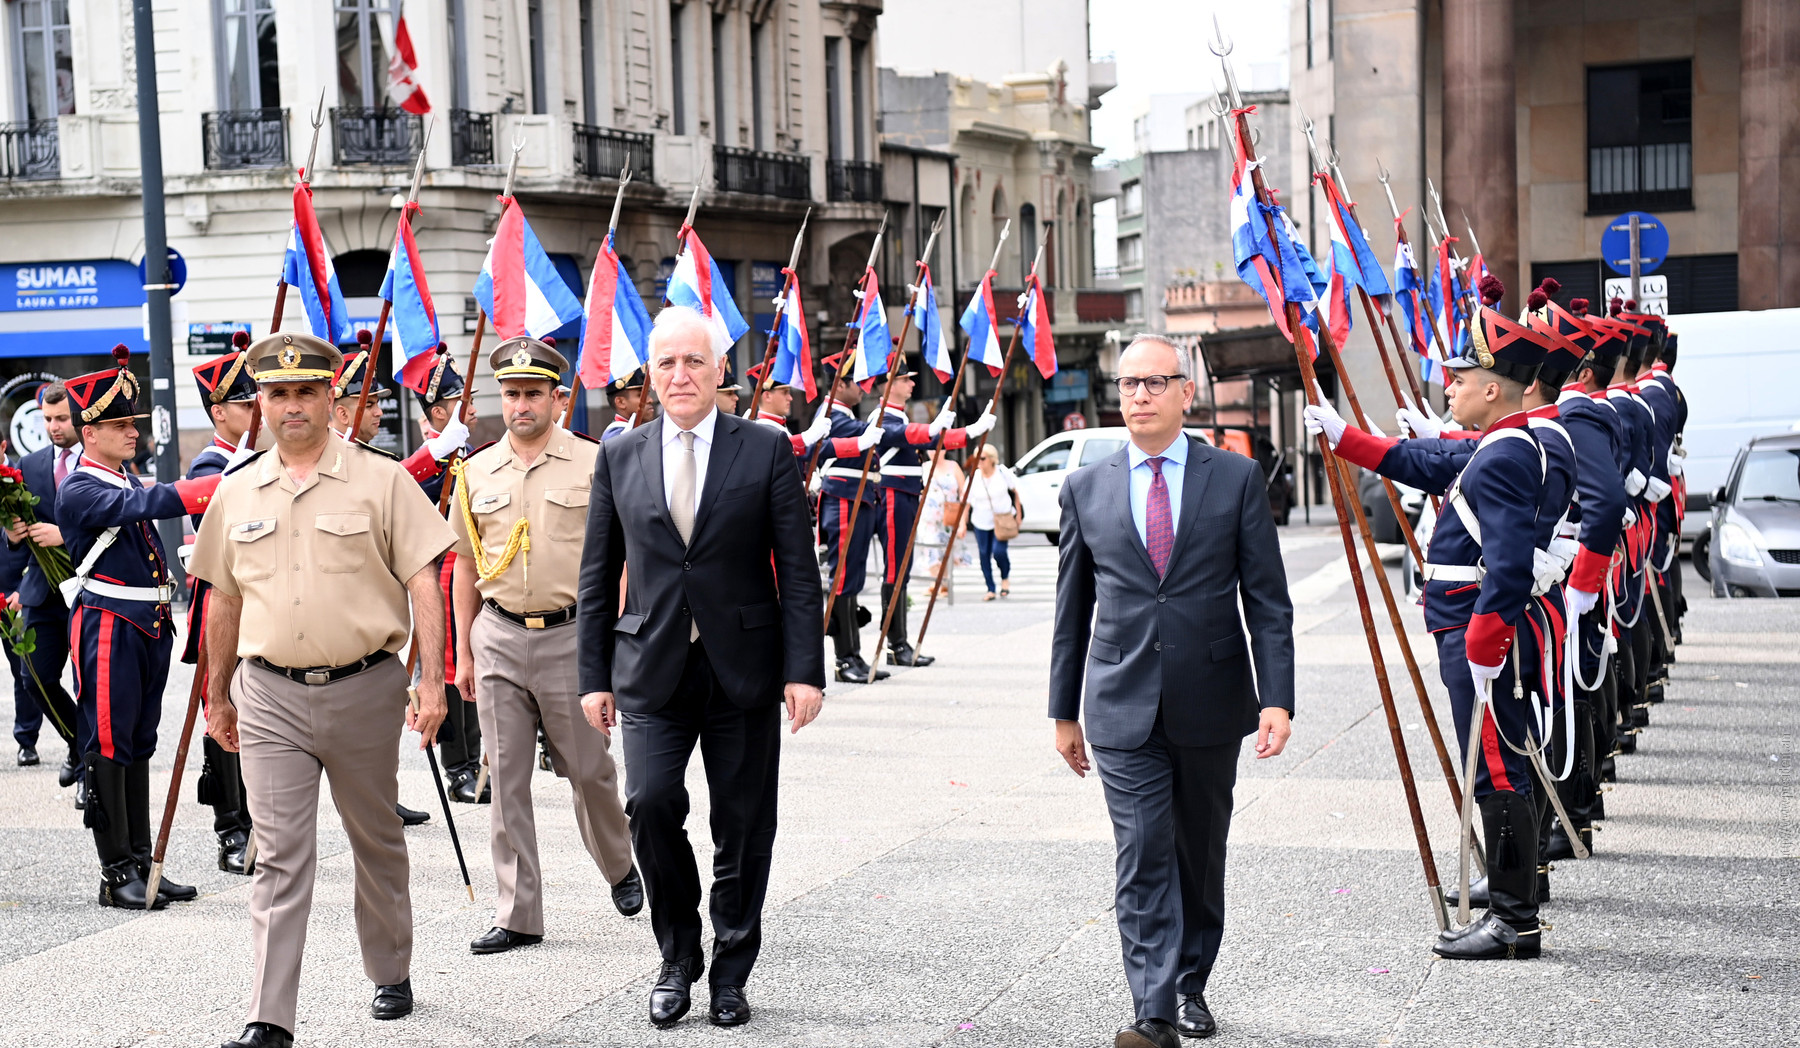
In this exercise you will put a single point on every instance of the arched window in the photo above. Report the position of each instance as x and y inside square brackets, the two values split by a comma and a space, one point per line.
[971, 250]
[1028, 239]
[1000, 216]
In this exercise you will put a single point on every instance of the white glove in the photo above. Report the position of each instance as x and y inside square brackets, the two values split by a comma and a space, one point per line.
[1546, 570]
[1484, 675]
[1323, 418]
[870, 436]
[1579, 601]
[1564, 550]
[1630, 517]
[454, 436]
[1634, 482]
[816, 432]
[1656, 490]
[1418, 423]
[1676, 465]
[981, 425]
[945, 419]
[242, 455]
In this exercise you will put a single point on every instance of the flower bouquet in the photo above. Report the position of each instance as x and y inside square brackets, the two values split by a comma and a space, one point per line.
[16, 502]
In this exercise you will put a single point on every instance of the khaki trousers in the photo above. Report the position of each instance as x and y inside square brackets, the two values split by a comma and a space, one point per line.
[288, 733]
[524, 677]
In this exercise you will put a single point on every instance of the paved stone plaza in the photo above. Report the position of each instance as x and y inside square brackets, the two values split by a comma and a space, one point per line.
[942, 879]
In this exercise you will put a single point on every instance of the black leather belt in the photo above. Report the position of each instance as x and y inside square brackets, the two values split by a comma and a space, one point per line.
[537, 620]
[316, 675]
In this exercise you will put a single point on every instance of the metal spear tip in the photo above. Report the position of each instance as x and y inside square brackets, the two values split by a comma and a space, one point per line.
[1220, 44]
[1381, 173]
[318, 118]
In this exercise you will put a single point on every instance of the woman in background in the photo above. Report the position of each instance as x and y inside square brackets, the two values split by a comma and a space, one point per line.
[935, 528]
[995, 494]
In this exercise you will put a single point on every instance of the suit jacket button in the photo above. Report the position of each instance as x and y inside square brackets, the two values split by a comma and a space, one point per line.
[1162, 598]
[687, 566]
[1158, 645]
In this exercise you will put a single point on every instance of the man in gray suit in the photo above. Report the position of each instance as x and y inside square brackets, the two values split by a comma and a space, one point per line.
[1161, 545]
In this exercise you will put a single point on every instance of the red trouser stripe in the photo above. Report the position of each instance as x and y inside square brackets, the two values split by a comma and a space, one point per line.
[843, 506]
[103, 687]
[1490, 751]
[893, 547]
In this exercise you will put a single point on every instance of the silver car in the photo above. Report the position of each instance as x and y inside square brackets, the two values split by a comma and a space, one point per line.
[1753, 547]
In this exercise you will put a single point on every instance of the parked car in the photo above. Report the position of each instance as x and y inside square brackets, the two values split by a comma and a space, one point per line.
[1381, 512]
[1753, 537]
[1042, 470]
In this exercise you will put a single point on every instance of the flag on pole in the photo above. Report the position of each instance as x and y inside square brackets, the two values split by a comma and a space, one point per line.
[1302, 281]
[933, 345]
[873, 342]
[1366, 271]
[793, 349]
[413, 321]
[1258, 261]
[978, 323]
[1412, 310]
[403, 70]
[615, 340]
[308, 267]
[1341, 278]
[519, 286]
[1034, 321]
[698, 282]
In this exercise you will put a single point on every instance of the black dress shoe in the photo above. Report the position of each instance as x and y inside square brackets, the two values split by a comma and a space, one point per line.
[166, 889]
[851, 669]
[1146, 1033]
[902, 654]
[729, 1006]
[1478, 894]
[628, 894]
[28, 756]
[1195, 1018]
[462, 788]
[392, 1002]
[69, 772]
[261, 1035]
[234, 848]
[1488, 939]
[411, 816]
[122, 887]
[670, 997]
[500, 940]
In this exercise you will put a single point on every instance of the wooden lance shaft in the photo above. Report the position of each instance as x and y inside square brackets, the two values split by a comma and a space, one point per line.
[787, 285]
[181, 754]
[1310, 383]
[845, 359]
[412, 199]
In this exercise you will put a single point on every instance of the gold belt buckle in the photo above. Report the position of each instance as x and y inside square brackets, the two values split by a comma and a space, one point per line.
[318, 677]
[534, 622]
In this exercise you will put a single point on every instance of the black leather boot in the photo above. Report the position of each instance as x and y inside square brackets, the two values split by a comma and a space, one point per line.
[234, 848]
[1509, 929]
[137, 799]
[851, 669]
[900, 651]
[121, 884]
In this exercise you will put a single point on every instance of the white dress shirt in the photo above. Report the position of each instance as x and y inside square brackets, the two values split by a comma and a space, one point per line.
[703, 441]
[1174, 470]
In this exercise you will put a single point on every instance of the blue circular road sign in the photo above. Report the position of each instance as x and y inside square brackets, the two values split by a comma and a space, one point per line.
[177, 272]
[1653, 243]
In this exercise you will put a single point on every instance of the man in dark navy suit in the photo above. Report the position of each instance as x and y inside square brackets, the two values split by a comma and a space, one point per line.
[27, 718]
[45, 615]
[1160, 544]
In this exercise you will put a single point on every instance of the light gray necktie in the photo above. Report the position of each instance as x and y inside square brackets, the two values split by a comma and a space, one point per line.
[681, 505]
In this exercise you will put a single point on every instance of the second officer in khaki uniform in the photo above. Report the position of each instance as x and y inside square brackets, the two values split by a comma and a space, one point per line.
[314, 550]
[520, 515]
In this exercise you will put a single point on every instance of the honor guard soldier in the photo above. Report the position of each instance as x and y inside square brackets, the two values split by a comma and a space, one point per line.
[729, 391]
[229, 394]
[120, 625]
[1478, 582]
[520, 519]
[1663, 530]
[1633, 663]
[902, 482]
[626, 395]
[425, 464]
[846, 541]
[777, 403]
[1672, 510]
[313, 550]
[459, 740]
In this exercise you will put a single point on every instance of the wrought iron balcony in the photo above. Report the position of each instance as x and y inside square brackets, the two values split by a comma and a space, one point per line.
[28, 150]
[856, 180]
[766, 174]
[240, 138]
[378, 136]
[601, 151]
[471, 137]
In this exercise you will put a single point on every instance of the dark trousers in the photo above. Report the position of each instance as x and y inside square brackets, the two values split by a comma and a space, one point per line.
[119, 683]
[898, 511]
[844, 543]
[993, 551]
[27, 718]
[221, 787]
[459, 740]
[1498, 767]
[49, 626]
[1171, 811]
[742, 751]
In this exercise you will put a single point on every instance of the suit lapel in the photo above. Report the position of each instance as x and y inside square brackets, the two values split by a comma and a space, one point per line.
[1193, 486]
[726, 443]
[651, 456]
[1118, 493]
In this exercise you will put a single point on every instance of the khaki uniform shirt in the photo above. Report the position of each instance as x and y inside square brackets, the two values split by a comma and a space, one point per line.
[551, 493]
[322, 569]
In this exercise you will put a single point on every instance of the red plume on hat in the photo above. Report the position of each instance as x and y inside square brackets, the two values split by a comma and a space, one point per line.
[1616, 306]
[240, 339]
[1549, 286]
[1492, 290]
[1579, 306]
[1536, 299]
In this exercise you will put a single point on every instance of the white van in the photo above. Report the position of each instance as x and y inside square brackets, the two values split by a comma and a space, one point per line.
[1042, 470]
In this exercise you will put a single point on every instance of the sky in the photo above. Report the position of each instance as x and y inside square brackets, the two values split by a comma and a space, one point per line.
[1162, 47]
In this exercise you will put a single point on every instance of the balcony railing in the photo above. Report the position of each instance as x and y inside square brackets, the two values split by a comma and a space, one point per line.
[854, 180]
[1645, 178]
[241, 138]
[382, 137]
[766, 174]
[471, 138]
[601, 151]
[1099, 307]
[28, 150]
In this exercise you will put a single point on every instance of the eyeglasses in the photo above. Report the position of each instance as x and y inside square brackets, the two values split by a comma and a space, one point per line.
[1156, 384]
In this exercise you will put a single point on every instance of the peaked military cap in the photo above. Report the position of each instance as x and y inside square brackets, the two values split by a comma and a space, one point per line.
[292, 356]
[525, 357]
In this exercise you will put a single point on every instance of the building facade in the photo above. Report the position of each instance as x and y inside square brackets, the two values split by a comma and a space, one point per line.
[768, 106]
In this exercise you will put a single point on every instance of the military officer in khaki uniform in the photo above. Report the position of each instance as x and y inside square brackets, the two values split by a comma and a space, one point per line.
[313, 550]
[520, 515]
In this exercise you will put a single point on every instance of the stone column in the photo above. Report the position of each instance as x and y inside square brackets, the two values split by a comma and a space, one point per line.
[1769, 156]
[1480, 135]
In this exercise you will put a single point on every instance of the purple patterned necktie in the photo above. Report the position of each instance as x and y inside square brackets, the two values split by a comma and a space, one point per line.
[1159, 527]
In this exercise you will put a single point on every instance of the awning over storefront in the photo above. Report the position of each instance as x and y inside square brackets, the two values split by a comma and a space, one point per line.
[1258, 353]
[59, 309]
